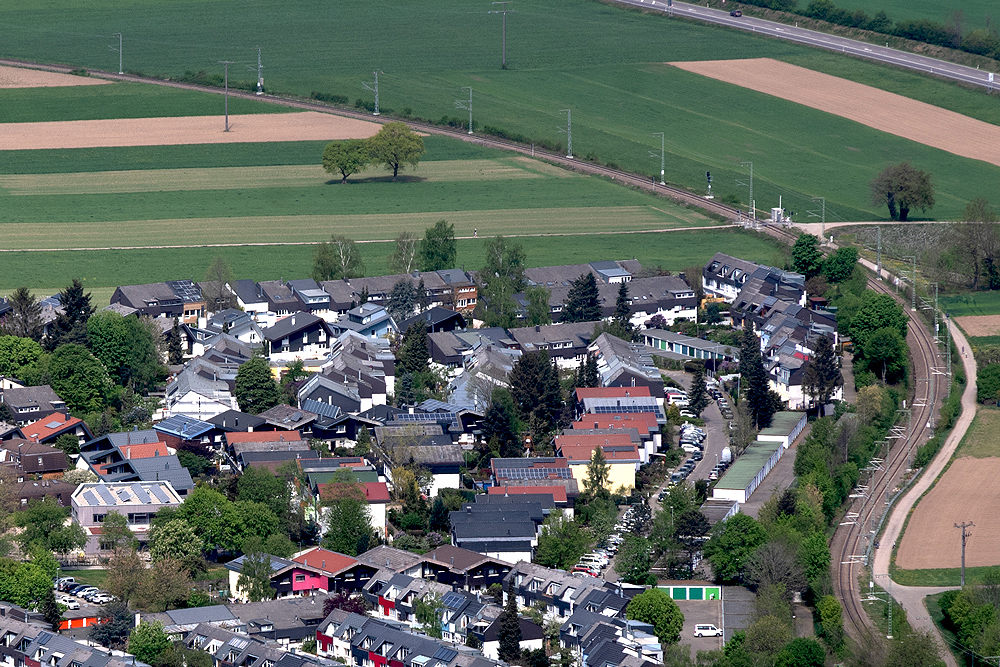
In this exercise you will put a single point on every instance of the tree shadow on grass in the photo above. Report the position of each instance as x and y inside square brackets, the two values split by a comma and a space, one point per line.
[402, 178]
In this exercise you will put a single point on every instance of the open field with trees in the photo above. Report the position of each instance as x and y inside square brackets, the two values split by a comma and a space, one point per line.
[608, 75]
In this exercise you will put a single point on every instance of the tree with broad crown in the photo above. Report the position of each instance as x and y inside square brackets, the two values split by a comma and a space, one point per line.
[988, 384]
[632, 561]
[258, 485]
[583, 303]
[822, 375]
[127, 349]
[731, 545]
[254, 581]
[884, 353]
[148, 641]
[404, 257]
[25, 316]
[539, 311]
[213, 518]
[839, 266]
[698, 397]
[70, 325]
[806, 257]
[509, 632]
[659, 610]
[256, 390]
[16, 354]
[877, 311]
[902, 187]
[115, 533]
[802, 652]
[561, 542]
[175, 353]
[337, 259]
[177, 540]
[427, 611]
[395, 146]
[501, 277]
[348, 519]
[126, 575]
[347, 157]
[979, 241]
[215, 289]
[44, 527]
[344, 601]
[69, 443]
[690, 529]
[598, 472]
[438, 249]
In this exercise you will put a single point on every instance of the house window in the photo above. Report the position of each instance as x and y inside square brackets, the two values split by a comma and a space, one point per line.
[299, 578]
[99, 518]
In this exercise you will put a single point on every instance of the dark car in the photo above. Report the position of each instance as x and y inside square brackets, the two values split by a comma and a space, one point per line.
[736, 12]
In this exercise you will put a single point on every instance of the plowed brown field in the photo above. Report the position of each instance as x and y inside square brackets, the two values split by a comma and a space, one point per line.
[875, 108]
[18, 77]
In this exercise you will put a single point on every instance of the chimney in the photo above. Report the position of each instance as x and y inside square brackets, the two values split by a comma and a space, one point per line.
[538, 328]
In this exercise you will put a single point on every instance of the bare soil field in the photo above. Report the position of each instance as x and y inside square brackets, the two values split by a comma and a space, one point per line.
[252, 128]
[19, 77]
[966, 492]
[888, 112]
[980, 325]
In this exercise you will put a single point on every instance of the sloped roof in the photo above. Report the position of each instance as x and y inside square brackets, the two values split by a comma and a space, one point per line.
[262, 436]
[50, 426]
[558, 493]
[326, 561]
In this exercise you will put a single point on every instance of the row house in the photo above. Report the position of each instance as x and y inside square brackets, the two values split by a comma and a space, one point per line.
[622, 363]
[559, 593]
[27, 405]
[174, 298]
[394, 597]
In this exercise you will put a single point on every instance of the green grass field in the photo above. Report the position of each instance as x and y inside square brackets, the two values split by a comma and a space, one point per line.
[982, 440]
[101, 271]
[975, 13]
[971, 303]
[608, 73]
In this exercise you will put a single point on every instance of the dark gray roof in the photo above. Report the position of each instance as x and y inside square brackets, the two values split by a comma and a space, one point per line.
[22, 397]
[163, 469]
[212, 614]
[293, 324]
[247, 291]
[234, 420]
[432, 317]
[287, 417]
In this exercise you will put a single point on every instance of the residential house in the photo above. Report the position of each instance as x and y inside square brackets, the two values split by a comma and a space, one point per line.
[50, 429]
[179, 430]
[321, 389]
[566, 343]
[622, 363]
[24, 488]
[369, 320]
[234, 420]
[286, 418]
[288, 578]
[435, 320]
[557, 592]
[393, 596]
[343, 573]
[557, 495]
[30, 404]
[250, 298]
[507, 531]
[34, 459]
[175, 298]
[622, 457]
[467, 569]
[138, 502]
[449, 348]
[376, 494]
[532, 637]
[202, 390]
[298, 336]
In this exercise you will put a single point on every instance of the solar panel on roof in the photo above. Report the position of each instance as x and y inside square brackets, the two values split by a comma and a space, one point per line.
[105, 495]
[43, 638]
[159, 494]
[453, 600]
[91, 498]
[53, 424]
[239, 643]
[140, 493]
[445, 654]
[534, 473]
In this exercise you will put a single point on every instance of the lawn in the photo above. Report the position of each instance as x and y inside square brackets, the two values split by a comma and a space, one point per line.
[101, 271]
[608, 71]
[938, 577]
[982, 440]
[91, 577]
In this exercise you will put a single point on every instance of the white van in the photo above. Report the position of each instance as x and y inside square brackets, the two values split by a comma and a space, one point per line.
[706, 630]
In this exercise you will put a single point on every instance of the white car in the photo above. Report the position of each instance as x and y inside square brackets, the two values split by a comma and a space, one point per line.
[706, 630]
[68, 602]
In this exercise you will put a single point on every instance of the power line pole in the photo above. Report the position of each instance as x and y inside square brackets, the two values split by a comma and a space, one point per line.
[568, 131]
[503, 12]
[260, 74]
[663, 160]
[878, 263]
[751, 205]
[227, 63]
[462, 104]
[119, 50]
[965, 536]
[373, 88]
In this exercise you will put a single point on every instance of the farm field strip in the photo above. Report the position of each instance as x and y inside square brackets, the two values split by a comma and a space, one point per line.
[226, 178]
[243, 230]
[19, 77]
[884, 111]
[174, 130]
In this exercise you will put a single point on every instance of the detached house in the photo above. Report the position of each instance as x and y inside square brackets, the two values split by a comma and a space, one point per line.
[298, 336]
[175, 298]
[30, 404]
[138, 502]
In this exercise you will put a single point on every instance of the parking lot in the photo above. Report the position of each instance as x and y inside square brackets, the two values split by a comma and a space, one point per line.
[716, 430]
[698, 612]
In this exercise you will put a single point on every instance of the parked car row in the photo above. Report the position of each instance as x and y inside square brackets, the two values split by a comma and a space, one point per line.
[91, 594]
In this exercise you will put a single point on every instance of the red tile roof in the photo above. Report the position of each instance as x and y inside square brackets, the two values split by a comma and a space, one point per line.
[52, 425]
[613, 452]
[610, 392]
[613, 439]
[262, 436]
[558, 493]
[375, 492]
[144, 450]
[328, 562]
[644, 421]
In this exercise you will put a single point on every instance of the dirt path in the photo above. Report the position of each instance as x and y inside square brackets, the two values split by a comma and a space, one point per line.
[888, 112]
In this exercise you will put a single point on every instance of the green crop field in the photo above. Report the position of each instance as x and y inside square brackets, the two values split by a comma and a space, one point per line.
[600, 61]
[975, 13]
[971, 303]
[101, 271]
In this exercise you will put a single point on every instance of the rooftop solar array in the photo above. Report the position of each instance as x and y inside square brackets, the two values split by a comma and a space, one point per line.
[159, 494]
[534, 473]
[445, 654]
[453, 600]
[105, 495]
[433, 417]
[632, 409]
[91, 498]
[141, 494]
[185, 289]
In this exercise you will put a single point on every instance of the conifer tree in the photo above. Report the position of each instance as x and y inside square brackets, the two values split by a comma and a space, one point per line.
[697, 396]
[510, 629]
[583, 301]
[70, 325]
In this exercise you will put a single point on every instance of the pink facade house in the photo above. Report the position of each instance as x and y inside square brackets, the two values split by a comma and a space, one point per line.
[288, 579]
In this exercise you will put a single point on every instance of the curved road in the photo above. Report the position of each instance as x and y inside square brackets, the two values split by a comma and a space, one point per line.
[823, 40]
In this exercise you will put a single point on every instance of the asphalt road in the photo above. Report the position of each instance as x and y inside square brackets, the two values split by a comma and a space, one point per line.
[824, 41]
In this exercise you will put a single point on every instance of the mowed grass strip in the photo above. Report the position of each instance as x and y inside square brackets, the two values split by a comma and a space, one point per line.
[101, 270]
[982, 440]
[971, 303]
[228, 178]
[314, 228]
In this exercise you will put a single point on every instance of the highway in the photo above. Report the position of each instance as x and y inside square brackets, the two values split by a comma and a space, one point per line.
[822, 40]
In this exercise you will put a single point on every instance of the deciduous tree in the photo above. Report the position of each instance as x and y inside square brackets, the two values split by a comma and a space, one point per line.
[348, 519]
[254, 582]
[806, 257]
[979, 243]
[659, 610]
[115, 533]
[561, 542]
[16, 354]
[43, 523]
[404, 257]
[902, 187]
[148, 641]
[632, 561]
[877, 311]
[178, 541]
[215, 288]
[539, 311]
[438, 249]
[732, 544]
[839, 266]
[396, 146]
[337, 259]
[346, 157]
[501, 277]
[256, 390]
[127, 349]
